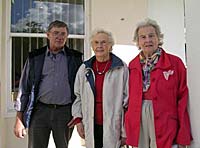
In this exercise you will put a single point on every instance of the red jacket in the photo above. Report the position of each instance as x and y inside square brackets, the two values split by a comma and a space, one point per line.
[170, 99]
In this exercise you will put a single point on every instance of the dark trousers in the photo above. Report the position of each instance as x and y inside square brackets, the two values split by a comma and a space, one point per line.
[48, 118]
[98, 136]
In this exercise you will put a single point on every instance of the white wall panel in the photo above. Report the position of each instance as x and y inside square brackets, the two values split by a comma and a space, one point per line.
[118, 16]
[170, 16]
[193, 56]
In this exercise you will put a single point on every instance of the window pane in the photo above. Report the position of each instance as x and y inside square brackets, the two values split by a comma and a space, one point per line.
[77, 44]
[20, 48]
[33, 16]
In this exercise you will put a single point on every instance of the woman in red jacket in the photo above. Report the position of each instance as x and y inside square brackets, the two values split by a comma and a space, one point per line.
[157, 115]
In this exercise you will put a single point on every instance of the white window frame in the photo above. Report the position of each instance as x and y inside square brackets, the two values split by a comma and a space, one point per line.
[0, 60]
[9, 109]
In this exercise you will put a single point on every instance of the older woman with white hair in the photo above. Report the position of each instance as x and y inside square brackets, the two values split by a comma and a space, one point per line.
[157, 115]
[101, 89]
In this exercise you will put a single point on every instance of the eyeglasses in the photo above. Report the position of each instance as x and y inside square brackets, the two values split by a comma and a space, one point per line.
[57, 34]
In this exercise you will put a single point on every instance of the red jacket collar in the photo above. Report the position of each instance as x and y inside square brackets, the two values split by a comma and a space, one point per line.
[163, 63]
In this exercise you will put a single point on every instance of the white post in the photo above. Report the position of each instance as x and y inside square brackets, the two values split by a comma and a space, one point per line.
[193, 55]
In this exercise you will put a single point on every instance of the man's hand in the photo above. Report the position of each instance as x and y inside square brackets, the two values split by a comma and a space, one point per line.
[19, 129]
[80, 129]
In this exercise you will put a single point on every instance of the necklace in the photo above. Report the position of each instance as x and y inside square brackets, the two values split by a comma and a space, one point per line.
[99, 72]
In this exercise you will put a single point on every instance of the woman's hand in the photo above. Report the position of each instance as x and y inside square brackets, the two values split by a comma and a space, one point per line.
[80, 129]
[71, 123]
[123, 141]
[182, 146]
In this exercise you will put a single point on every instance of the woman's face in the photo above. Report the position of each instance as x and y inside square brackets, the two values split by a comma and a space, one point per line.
[148, 40]
[101, 46]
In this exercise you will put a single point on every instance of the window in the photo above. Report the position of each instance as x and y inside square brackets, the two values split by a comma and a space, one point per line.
[29, 21]
[33, 16]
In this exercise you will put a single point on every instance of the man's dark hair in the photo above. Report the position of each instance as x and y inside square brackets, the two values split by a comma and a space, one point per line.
[58, 24]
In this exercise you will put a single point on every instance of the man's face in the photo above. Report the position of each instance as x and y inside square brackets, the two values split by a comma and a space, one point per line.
[57, 38]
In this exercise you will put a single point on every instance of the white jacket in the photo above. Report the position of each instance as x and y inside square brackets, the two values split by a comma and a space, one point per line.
[115, 98]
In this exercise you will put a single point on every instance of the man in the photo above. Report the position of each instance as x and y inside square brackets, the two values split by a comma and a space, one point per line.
[46, 91]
